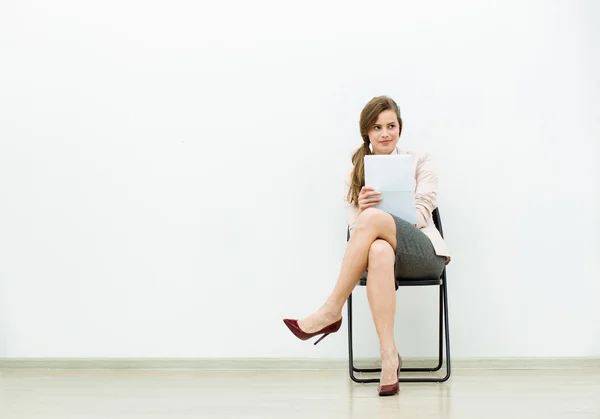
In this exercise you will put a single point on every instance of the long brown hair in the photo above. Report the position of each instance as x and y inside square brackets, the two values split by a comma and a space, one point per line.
[368, 117]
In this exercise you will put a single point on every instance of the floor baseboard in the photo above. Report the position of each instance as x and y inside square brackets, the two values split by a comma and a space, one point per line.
[235, 364]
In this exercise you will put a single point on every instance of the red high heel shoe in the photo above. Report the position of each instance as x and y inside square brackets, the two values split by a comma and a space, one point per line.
[300, 334]
[391, 389]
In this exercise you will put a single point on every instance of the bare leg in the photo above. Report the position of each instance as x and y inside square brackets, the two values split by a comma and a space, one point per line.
[381, 292]
[371, 224]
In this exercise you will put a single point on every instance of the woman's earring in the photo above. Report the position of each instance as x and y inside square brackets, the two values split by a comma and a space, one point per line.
[371, 147]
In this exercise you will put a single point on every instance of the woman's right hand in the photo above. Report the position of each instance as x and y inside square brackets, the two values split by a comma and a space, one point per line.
[367, 198]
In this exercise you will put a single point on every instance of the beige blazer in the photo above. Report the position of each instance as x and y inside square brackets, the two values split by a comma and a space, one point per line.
[425, 200]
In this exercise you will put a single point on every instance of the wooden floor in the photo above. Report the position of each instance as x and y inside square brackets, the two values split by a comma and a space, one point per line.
[477, 394]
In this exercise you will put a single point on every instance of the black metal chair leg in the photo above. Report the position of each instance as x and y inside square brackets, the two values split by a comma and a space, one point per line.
[447, 330]
[350, 351]
[441, 329]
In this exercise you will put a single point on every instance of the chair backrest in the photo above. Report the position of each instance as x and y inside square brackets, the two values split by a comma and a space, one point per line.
[437, 220]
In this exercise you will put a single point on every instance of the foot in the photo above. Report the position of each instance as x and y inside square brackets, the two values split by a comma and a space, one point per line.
[389, 367]
[318, 320]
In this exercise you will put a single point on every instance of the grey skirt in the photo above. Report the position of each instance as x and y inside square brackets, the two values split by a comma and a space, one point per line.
[415, 255]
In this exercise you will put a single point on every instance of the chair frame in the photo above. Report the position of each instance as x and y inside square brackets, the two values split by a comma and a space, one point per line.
[444, 334]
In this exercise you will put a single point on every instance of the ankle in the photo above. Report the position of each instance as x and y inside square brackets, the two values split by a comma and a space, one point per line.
[389, 353]
[331, 311]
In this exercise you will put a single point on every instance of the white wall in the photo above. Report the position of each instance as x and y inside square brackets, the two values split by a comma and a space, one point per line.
[171, 172]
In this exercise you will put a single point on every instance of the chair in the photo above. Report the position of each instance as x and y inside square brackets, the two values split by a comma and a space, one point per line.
[443, 327]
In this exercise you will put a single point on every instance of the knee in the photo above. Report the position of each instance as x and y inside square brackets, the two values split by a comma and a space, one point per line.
[381, 252]
[369, 218]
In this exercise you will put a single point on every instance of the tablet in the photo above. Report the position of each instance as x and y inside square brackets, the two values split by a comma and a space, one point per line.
[394, 176]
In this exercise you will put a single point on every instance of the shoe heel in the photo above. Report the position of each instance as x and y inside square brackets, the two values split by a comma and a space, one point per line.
[321, 338]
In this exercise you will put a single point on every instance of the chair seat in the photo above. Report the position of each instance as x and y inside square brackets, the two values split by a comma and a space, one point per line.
[410, 282]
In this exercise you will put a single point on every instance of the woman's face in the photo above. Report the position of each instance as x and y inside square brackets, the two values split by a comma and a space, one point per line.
[384, 133]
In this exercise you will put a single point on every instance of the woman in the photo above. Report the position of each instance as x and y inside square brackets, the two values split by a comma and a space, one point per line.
[386, 246]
